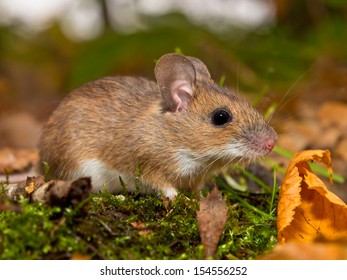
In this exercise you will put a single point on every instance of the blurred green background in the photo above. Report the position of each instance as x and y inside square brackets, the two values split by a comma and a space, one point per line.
[261, 47]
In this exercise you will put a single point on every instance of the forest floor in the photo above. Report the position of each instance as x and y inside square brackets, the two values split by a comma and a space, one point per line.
[126, 226]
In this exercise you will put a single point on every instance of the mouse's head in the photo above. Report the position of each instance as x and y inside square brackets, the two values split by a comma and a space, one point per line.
[205, 121]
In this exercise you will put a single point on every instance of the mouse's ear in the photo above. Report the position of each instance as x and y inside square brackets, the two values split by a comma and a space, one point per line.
[202, 73]
[175, 76]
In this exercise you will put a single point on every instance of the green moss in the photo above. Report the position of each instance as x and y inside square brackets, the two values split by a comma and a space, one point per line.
[29, 232]
[129, 227]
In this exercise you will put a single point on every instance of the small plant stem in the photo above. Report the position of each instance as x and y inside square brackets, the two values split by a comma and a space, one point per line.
[251, 207]
[254, 178]
[244, 202]
[273, 190]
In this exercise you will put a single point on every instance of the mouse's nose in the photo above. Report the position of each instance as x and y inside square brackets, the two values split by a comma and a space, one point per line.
[261, 140]
[269, 144]
[267, 139]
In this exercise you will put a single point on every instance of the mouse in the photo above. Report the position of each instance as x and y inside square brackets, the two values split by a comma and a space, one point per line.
[167, 135]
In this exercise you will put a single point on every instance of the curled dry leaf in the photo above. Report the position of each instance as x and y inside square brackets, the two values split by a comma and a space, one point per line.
[24, 188]
[212, 218]
[63, 193]
[52, 193]
[307, 210]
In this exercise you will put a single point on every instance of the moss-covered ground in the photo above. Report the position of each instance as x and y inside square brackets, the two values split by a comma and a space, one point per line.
[129, 226]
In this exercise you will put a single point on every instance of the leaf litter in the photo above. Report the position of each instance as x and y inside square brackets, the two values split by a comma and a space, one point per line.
[212, 217]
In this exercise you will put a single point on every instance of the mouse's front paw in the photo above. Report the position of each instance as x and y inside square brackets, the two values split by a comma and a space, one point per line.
[170, 193]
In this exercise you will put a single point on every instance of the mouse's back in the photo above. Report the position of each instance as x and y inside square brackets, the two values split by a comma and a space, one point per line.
[92, 119]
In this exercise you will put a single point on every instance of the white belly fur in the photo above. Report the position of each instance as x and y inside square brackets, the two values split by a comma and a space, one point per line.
[102, 176]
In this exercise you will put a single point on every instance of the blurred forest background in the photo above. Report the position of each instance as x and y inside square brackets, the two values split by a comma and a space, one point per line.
[267, 49]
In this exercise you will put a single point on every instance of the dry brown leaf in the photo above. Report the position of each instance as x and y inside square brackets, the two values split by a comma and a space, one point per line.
[52, 193]
[166, 202]
[24, 188]
[341, 149]
[212, 218]
[330, 114]
[63, 193]
[143, 230]
[308, 251]
[17, 160]
[307, 210]
[19, 130]
[78, 256]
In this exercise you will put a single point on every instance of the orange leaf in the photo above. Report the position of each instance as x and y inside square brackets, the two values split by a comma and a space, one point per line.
[78, 256]
[307, 210]
[308, 251]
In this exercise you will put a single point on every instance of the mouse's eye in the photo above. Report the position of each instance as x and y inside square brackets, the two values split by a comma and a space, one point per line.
[221, 117]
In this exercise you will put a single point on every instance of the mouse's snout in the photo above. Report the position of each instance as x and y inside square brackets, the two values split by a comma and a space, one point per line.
[269, 143]
[261, 141]
[267, 139]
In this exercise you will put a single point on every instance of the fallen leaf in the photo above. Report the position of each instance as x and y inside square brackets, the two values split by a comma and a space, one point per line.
[78, 256]
[37, 181]
[328, 138]
[19, 130]
[330, 114]
[166, 202]
[52, 193]
[212, 218]
[17, 160]
[341, 149]
[308, 251]
[307, 210]
[30, 188]
[143, 230]
[63, 193]
[24, 188]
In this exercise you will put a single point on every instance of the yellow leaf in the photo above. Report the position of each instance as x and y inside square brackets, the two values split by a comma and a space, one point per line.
[307, 210]
[30, 188]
